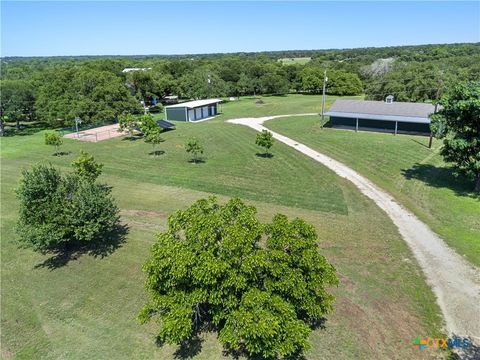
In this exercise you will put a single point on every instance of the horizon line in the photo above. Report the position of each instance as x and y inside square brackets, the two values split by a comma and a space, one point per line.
[235, 52]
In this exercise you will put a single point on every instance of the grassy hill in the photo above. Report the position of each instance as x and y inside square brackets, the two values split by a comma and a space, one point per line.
[404, 166]
[84, 307]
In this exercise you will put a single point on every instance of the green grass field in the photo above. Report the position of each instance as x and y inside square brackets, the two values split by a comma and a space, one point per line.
[404, 166]
[86, 308]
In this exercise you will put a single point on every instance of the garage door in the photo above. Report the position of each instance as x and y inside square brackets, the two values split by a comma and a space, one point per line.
[198, 113]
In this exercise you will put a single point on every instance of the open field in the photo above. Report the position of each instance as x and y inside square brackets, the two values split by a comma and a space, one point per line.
[86, 308]
[296, 60]
[404, 166]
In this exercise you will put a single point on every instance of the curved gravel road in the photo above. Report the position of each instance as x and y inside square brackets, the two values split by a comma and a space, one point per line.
[455, 282]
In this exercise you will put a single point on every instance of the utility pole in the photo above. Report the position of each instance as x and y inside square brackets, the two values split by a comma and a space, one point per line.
[439, 91]
[325, 79]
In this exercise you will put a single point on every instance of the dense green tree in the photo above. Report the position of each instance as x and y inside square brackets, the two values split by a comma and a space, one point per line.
[145, 86]
[91, 95]
[147, 123]
[260, 285]
[312, 80]
[57, 210]
[245, 85]
[272, 83]
[194, 148]
[293, 77]
[53, 138]
[17, 101]
[96, 89]
[86, 167]
[202, 83]
[343, 83]
[458, 123]
[265, 140]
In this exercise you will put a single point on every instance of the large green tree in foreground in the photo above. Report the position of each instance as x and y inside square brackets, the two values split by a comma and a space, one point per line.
[458, 123]
[262, 286]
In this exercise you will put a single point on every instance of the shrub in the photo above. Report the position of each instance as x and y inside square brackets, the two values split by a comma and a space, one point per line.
[265, 140]
[57, 209]
[53, 138]
[86, 167]
[194, 147]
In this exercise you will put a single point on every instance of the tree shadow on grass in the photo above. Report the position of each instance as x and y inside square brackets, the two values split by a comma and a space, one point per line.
[198, 161]
[441, 177]
[62, 153]
[25, 129]
[241, 353]
[264, 155]
[420, 143]
[96, 248]
[189, 348]
[156, 152]
[132, 138]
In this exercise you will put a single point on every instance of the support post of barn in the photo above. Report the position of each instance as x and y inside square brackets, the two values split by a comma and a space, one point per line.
[396, 127]
[356, 125]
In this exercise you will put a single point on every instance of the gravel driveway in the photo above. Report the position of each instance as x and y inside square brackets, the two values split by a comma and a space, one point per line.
[455, 282]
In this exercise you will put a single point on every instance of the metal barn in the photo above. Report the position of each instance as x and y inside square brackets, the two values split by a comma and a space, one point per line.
[192, 110]
[405, 117]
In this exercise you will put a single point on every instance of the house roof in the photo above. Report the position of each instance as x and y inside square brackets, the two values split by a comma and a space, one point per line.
[379, 110]
[196, 103]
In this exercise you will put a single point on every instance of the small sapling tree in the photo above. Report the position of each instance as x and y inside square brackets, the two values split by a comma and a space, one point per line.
[194, 148]
[86, 167]
[153, 136]
[265, 140]
[53, 138]
[128, 123]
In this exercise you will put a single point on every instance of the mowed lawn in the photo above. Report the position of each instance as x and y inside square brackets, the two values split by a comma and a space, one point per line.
[404, 166]
[86, 308]
[276, 105]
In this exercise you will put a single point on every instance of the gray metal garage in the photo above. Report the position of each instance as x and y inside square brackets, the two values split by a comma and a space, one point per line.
[192, 110]
[379, 115]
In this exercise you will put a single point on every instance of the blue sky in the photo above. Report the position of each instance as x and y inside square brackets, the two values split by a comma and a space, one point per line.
[129, 28]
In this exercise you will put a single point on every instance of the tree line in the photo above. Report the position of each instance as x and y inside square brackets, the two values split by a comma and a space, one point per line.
[55, 90]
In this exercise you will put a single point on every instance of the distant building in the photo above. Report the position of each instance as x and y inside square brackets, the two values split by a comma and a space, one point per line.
[171, 99]
[381, 115]
[135, 69]
[192, 110]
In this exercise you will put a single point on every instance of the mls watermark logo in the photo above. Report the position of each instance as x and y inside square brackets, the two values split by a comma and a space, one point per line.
[439, 343]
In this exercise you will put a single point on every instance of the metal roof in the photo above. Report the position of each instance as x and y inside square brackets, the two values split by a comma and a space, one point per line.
[194, 104]
[398, 111]
[352, 115]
